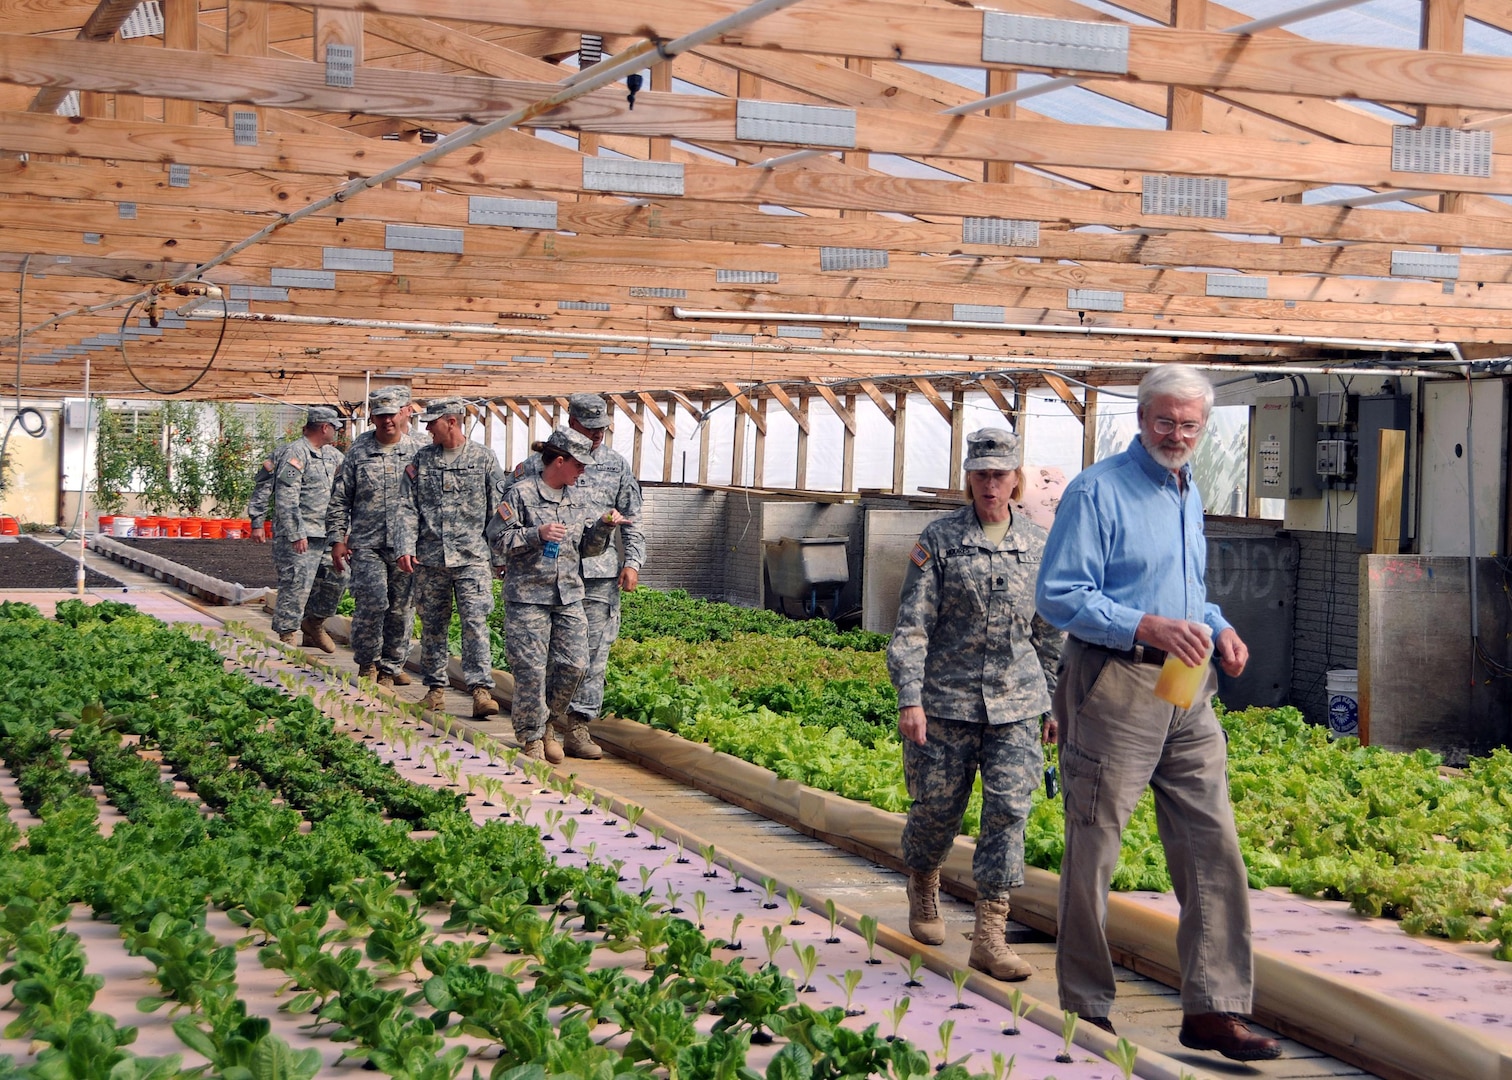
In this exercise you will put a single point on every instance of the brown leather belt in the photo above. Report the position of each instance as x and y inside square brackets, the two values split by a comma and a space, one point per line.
[1139, 654]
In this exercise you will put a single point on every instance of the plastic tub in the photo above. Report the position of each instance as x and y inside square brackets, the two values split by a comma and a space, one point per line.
[122, 526]
[1343, 689]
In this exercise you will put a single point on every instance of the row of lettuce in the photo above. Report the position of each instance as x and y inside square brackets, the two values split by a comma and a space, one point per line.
[1393, 834]
[307, 840]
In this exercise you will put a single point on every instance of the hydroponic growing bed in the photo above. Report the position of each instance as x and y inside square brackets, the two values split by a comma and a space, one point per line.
[296, 878]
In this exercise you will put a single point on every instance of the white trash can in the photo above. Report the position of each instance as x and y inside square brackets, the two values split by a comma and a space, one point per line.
[1344, 702]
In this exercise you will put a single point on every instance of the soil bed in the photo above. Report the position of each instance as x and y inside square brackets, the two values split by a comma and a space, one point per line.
[241, 562]
[30, 564]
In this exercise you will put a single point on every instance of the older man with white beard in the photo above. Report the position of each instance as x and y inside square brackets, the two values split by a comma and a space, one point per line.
[1123, 576]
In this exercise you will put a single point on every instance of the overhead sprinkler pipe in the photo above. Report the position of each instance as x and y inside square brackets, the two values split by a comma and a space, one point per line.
[784, 349]
[638, 56]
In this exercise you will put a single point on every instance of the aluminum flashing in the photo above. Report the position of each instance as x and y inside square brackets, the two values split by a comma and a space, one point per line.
[1033, 41]
[1444, 150]
[1007, 232]
[1184, 196]
[733, 339]
[291, 278]
[422, 238]
[512, 213]
[657, 292]
[1239, 285]
[1094, 300]
[799, 331]
[806, 125]
[340, 65]
[582, 305]
[635, 177]
[885, 325]
[372, 260]
[273, 293]
[979, 313]
[847, 258]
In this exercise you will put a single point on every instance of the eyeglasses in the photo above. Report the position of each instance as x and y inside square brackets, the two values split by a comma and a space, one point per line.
[1189, 430]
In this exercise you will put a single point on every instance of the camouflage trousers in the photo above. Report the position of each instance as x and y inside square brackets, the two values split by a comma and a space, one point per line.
[308, 585]
[548, 649]
[601, 604]
[383, 620]
[472, 587]
[940, 775]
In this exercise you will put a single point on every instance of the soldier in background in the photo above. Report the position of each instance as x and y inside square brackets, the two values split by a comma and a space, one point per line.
[300, 474]
[610, 483]
[364, 509]
[449, 493]
[548, 527]
[973, 665]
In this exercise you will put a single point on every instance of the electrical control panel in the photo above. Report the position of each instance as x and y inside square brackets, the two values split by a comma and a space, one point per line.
[1283, 452]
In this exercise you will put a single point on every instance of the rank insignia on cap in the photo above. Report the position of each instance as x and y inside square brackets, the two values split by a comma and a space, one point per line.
[409, 471]
[296, 463]
[919, 556]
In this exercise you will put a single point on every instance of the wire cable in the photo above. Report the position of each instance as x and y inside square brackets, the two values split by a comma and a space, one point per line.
[209, 363]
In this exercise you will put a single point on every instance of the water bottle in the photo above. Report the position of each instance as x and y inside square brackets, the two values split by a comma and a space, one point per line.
[551, 549]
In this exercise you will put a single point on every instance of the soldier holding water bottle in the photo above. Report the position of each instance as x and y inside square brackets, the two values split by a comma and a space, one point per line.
[1123, 576]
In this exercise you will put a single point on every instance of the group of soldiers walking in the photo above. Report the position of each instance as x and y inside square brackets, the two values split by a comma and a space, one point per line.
[427, 525]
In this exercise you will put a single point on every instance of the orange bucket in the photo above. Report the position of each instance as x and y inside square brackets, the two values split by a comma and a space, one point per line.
[9, 526]
[231, 528]
[212, 529]
[148, 527]
[105, 520]
[171, 527]
[191, 528]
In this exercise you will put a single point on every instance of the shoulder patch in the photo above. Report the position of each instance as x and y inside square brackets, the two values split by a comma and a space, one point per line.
[296, 463]
[505, 513]
[519, 471]
[269, 465]
[919, 556]
[411, 472]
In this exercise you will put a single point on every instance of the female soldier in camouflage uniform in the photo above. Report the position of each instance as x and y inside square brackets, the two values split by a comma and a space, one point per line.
[542, 526]
[973, 665]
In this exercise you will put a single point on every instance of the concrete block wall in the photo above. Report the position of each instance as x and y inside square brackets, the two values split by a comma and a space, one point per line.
[685, 540]
[1326, 627]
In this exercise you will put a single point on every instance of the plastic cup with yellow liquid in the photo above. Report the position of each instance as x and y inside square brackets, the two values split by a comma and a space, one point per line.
[1179, 682]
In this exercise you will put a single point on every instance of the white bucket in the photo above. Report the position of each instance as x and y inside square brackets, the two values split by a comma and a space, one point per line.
[123, 526]
[1343, 702]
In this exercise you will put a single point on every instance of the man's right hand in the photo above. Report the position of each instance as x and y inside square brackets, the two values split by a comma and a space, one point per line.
[1188, 641]
[340, 553]
[259, 534]
[552, 530]
[406, 563]
[912, 723]
[301, 545]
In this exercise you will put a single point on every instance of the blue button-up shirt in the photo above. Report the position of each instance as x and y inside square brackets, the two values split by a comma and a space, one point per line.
[1127, 542]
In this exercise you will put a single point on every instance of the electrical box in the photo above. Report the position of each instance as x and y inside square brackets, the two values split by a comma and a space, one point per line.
[1334, 458]
[77, 412]
[1284, 448]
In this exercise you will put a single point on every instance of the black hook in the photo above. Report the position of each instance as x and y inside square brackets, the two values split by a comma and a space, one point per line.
[633, 83]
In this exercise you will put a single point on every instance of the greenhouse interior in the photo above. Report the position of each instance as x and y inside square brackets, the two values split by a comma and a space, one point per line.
[554, 541]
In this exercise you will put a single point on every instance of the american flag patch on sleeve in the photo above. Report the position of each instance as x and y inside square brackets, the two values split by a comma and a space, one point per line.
[919, 556]
[410, 471]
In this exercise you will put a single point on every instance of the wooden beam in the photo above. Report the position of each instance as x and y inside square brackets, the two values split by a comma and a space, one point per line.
[1089, 427]
[637, 447]
[181, 32]
[870, 389]
[514, 407]
[900, 439]
[687, 403]
[957, 437]
[933, 397]
[662, 418]
[1388, 499]
[800, 475]
[1064, 392]
[745, 406]
[669, 444]
[625, 407]
[758, 450]
[847, 416]
[995, 394]
[848, 448]
[737, 451]
[799, 415]
[703, 439]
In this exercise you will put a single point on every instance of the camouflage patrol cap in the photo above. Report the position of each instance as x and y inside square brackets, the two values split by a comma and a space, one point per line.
[436, 408]
[992, 448]
[324, 414]
[388, 400]
[589, 410]
[572, 443]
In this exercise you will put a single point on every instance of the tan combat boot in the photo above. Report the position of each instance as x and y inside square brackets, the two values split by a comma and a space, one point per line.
[401, 678]
[924, 921]
[552, 748]
[368, 671]
[315, 636]
[434, 700]
[576, 742]
[483, 702]
[535, 750]
[386, 679]
[287, 637]
[990, 951]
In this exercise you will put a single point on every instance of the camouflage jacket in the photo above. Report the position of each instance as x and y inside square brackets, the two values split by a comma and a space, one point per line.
[611, 485]
[297, 481]
[444, 506]
[969, 644]
[533, 577]
[365, 496]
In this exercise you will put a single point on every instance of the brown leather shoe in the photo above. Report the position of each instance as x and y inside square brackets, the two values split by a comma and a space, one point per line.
[1228, 1035]
[1100, 1022]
